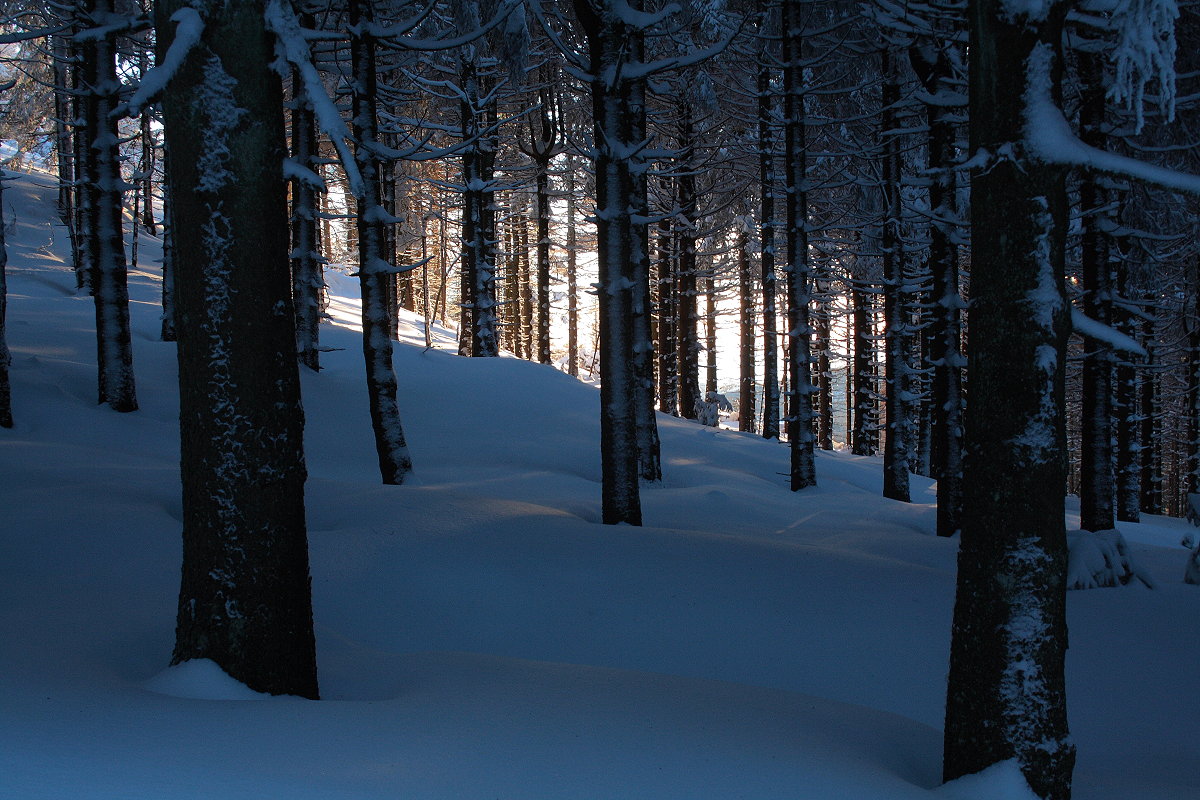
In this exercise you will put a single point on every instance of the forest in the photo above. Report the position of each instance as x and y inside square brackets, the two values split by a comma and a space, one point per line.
[954, 239]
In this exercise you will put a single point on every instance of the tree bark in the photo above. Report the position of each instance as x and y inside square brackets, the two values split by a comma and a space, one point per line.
[1006, 693]
[6, 418]
[746, 382]
[766, 184]
[616, 109]
[945, 334]
[1097, 484]
[800, 415]
[374, 267]
[897, 373]
[307, 280]
[244, 599]
[104, 188]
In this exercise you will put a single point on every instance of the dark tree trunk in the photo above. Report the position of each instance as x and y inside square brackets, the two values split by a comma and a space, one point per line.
[147, 180]
[572, 286]
[244, 600]
[1125, 411]
[374, 268]
[746, 384]
[897, 374]
[687, 322]
[1191, 481]
[945, 331]
[479, 216]
[800, 414]
[6, 418]
[710, 334]
[1097, 485]
[1148, 462]
[543, 144]
[766, 184]
[863, 438]
[822, 327]
[1006, 694]
[619, 119]
[63, 141]
[668, 320]
[307, 280]
[167, 327]
[104, 188]
[528, 333]
[649, 450]
[543, 264]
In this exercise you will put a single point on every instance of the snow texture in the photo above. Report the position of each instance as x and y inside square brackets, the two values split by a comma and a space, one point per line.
[1101, 559]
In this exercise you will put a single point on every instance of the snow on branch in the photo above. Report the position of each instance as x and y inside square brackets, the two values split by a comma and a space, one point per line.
[1145, 51]
[642, 20]
[292, 45]
[189, 25]
[476, 32]
[1049, 138]
[1094, 329]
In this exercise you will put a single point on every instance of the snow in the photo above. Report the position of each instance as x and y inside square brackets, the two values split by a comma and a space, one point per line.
[189, 26]
[1095, 329]
[479, 633]
[1049, 137]
[200, 679]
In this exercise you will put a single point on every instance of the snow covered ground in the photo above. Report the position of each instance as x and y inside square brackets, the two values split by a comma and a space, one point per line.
[479, 633]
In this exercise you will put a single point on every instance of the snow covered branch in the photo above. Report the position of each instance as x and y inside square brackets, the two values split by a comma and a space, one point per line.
[293, 47]
[188, 27]
[1049, 138]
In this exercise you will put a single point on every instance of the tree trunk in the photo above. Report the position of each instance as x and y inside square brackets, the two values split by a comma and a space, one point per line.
[1006, 695]
[945, 332]
[478, 219]
[668, 319]
[167, 326]
[800, 415]
[710, 334]
[1097, 485]
[687, 322]
[619, 119]
[374, 268]
[307, 280]
[897, 374]
[1148, 462]
[746, 383]
[244, 599]
[766, 184]
[104, 188]
[649, 450]
[6, 418]
[822, 327]
[572, 287]
[863, 439]
[1125, 409]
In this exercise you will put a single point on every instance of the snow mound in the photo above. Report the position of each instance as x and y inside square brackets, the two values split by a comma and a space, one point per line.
[1101, 559]
[200, 679]
[1002, 781]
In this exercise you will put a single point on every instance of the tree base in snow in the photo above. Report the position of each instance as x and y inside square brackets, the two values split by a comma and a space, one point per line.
[1101, 559]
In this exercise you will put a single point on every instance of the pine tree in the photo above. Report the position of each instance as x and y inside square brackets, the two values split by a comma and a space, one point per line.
[245, 600]
[1006, 693]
